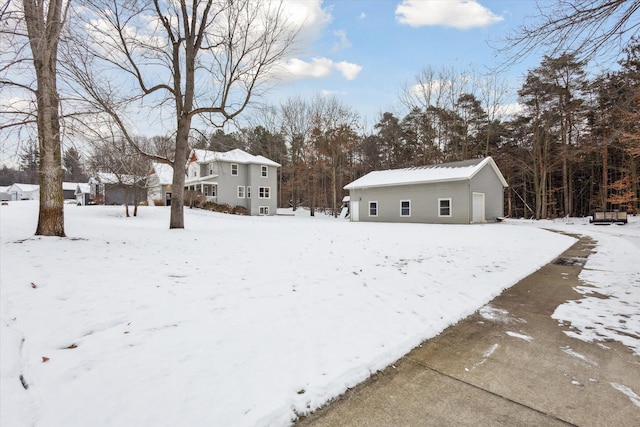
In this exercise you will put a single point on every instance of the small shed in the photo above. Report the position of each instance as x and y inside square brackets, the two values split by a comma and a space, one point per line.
[4, 194]
[159, 184]
[465, 192]
[83, 194]
[24, 192]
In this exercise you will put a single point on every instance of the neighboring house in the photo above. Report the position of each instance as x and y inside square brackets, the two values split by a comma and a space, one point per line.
[470, 191]
[83, 194]
[4, 194]
[159, 184]
[69, 190]
[111, 189]
[236, 178]
[24, 192]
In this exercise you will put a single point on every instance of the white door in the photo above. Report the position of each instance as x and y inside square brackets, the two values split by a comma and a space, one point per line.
[478, 207]
[355, 211]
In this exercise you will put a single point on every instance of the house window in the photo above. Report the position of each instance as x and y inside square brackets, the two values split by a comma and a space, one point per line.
[206, 190]
[194, 173]
[234, 169]
[264, 171]
[264, 192]
[405, 207]
[444, 207]
[213, 190]
[248, 192]
[264, 210]
[210, 168]
[240, 192]
[373, 208]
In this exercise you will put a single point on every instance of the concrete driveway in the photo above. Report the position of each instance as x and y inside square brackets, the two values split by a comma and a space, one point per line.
[509, 364]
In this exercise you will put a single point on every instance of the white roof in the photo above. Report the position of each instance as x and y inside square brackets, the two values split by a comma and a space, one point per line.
[164, 172]
[112, 178]
[456, 171]
[233, 156]
[26, 188]
[4, 189]
[83, 188]
[70, 185]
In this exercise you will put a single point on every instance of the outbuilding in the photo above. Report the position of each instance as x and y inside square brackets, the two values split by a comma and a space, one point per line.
[469, 191]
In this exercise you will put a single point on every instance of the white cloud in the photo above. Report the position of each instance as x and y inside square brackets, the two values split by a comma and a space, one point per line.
[362, 15]
[461, 14]
[319, 68]
[343, 41]
[310, 17]
[349, 70]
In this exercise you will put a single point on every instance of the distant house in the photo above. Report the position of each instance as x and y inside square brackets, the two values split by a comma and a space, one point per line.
[69, 190]
[470, 191]
[4, 194]
[159, 184]
[111, 189]
[24, 192]
[236, 178]
[83, 194]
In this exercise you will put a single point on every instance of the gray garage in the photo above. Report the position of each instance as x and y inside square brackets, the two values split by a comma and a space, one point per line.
[469, 191]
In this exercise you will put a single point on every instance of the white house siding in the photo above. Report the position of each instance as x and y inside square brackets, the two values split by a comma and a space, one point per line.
[486, 181]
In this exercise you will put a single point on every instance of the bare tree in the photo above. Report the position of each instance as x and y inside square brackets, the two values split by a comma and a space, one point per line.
[34, 34]
[175, 61]
[583, 28]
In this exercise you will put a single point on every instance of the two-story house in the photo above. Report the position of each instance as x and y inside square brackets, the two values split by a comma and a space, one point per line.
[236, 178]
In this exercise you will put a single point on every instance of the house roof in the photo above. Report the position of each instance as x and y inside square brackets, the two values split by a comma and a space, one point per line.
[112, 178]
[70, 185]
[4, 189]
[455, 171]
[83, 188]
[24, 187]
[164, 172]
[233, 156]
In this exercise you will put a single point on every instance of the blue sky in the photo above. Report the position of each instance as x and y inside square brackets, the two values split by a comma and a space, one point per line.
[390, 42]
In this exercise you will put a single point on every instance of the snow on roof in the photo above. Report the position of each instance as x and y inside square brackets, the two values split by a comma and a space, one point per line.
[70, 185]
[24, 187]
[234, 156]
[455, 171]
[164, 172]
[112, 178]
[4, 189]
[83, 188]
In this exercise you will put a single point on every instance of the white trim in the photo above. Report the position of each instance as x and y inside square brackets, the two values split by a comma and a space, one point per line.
[240, 192]
[264, 171]
[261, 192]
[440, 200]
[401, 202]
[263, 210]
[237, 169]
[377, 208]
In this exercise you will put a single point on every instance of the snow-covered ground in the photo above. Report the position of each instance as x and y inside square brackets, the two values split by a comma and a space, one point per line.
[247, 321]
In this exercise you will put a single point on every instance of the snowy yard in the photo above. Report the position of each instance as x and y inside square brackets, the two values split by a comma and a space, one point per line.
[247, 321]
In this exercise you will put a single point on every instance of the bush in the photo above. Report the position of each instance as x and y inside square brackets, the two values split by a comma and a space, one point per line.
[210, 206]
[239, 210]
[158, 202]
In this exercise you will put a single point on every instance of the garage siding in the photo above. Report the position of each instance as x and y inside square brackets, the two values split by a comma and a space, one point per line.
[424, 202]
[486, 181]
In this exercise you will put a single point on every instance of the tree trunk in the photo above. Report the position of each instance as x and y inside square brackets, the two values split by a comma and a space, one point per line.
[177, 195]
[43, 39]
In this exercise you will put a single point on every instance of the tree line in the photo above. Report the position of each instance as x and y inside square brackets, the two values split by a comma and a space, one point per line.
[92, 69]
[571, 149]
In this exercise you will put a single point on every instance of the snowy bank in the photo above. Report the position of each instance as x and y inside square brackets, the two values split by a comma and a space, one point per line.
[235, 321]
